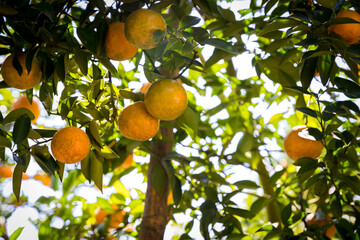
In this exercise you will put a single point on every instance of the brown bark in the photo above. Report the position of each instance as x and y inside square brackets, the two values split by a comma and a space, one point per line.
[155, 216]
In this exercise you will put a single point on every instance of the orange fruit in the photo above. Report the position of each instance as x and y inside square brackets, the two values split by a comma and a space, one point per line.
[314, 219]
[298, 143]
[136, 123]
[166, 99]
[45, 179]
[348, 31]
[6, 171]
[145, 87]
[27, 79]
[170, 198]
[23, 101]
[25, 176]
[117, 47]
[70, 145]
[140, 26]
[116, 218]
[127, 162]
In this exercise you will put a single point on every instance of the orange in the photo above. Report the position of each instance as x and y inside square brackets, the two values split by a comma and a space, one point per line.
[140, 26]
[45, 179]
[349, 31]
[70, 145]
[313, 219]
[145, 87]
[6, 171]
[117, 47]
[170, 198]
[24, 81]
[298, 143]
[23, 101]
[166, 99]
[127, 162]
[25, 176]
[116, 218]
[136, 123]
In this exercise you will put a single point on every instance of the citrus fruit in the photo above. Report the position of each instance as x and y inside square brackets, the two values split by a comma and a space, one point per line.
[70, 145]
[116, 218]
[23, 101]
[145, 87]
[136, 123]
[117, 47]
[348, 31]
[140, 26]
[298, 143]
[27, 79]
[315, 219]
[45, 179]
[6, 171]
[166, 99]
[127, 162]
[170, 198]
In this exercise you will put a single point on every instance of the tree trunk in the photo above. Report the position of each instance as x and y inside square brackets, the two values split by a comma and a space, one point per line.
[155, 216]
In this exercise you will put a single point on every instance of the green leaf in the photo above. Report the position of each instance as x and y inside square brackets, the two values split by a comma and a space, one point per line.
[16, 113]
[82, 60]
[88, 38]
[188, 21]
[258, 205]
[307, 111]
[246, 143]
[279, 24]
[285, 214]
[176, 189]
[94, 130]
[159, 179]
[85, 168]
[325, 65]
[308, 72]
[44, 159]
[350, 88]
[7, 10]
[189, 121]
[108, 153]
[60, 67]
[158, 35]
[4, 142]
[211, 194]
[131, 95]
[246, 184]
[200, 34]
[16, 233]
[16, 180]
[104, 204]
[276, 176]
[240, 212]
[21, 128]
[96, 168]
[321, 187]
[221, 44]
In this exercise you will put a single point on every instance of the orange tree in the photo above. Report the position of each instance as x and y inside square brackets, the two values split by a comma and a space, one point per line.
[215, 152]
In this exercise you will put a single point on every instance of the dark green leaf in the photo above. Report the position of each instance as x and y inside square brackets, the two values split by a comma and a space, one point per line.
[286, 213]
[4, 142]
[350, 88]
[159, 179]
[307, 111]
[221, 44]
[44, 159]
[321, 187]
[82, 60]
[308, 72]
[246, 184]
[240, 212]
[16, 113]
[96, 168]
[21, 128]
[16, 180]
[188, 21]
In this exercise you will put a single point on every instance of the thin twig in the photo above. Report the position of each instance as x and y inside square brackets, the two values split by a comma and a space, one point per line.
[188, 66]
[112, 98]
[151, 61]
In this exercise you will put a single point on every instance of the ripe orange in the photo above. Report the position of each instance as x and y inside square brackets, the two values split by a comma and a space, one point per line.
[127, 162]
[136, 123]
[298, 143]
[25, 80]
[117, 47]
[6, 171]
[166, 99]
[70, 145]
[140, 26]
[23, 101]
[313, 219]
[145, 87]
[349, 31]
[116, 218]
[45, 179]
